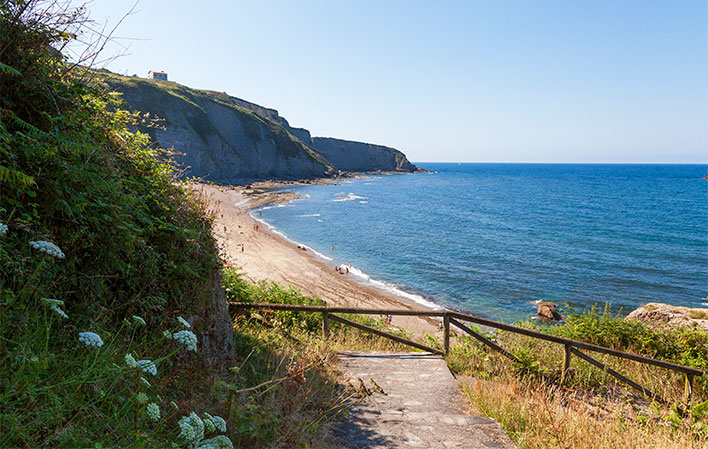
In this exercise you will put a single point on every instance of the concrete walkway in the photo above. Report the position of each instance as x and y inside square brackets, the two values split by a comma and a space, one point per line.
[420, 406]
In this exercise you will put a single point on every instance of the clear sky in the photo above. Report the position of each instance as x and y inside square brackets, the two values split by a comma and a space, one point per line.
[508, 81]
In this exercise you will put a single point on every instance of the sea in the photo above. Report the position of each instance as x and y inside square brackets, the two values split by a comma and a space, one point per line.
[493, 239]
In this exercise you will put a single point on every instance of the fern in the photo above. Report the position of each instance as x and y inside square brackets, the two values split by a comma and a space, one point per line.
[15, 177]
[9, 71]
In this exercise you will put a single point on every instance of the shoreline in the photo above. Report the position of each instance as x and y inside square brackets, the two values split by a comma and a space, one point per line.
[263, 255]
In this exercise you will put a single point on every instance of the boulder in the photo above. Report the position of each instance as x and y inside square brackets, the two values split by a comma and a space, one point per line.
[547, 311]
[666, 315]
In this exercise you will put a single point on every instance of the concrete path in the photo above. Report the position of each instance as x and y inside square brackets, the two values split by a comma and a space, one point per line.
[420, 406]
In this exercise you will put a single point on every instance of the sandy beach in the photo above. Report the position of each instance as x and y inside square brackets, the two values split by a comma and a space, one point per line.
[265, 256]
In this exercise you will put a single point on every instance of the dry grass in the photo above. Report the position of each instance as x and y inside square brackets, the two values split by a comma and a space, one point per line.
[542, 416]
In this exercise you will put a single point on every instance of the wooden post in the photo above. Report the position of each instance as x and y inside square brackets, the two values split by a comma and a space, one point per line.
[566, 364]
[325, 325]
[688, 390]
[446, 333]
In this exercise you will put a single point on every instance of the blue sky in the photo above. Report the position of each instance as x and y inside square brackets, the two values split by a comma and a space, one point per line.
[506, 81]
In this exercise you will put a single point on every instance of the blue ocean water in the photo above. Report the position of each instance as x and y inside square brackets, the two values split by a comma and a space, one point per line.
[492, 238]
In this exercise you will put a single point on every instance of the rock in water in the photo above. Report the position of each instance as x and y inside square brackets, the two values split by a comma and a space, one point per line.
[547, 312]
[659, 314]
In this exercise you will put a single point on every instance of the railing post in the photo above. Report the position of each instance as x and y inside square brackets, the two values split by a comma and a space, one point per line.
[446, 333]
[566, 364]
[325, 324]
[688, 389]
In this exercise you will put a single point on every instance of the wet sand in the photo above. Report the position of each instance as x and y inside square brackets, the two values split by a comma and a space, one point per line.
[265, 256]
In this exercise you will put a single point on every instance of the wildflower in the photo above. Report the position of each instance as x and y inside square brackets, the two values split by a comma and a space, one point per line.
[48, 247]
[191, 428]
[187, 338]
[218, 442]
[90, 339]
[141, 398]
[53, 302]
[148, 366]
[184, 322]
[3, 228]
[130, 361]
[138, 320]
[173, 404]
[59, 312]
[145, 382]
[219, 423]
[167, 334]
[153, 411]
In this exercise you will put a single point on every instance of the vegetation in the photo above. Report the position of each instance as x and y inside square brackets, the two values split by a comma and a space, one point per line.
[592, 410]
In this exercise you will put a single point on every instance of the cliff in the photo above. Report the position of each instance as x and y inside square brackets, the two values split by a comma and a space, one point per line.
[357, 156]
[229, 140]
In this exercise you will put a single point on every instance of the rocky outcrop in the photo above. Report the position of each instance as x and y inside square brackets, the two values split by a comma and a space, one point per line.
[666, 315]
[357, 156]
[229, 140]
[547, 311]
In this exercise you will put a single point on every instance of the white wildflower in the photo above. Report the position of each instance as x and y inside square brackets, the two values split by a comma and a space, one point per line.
[90, 339]
[141, 398]
[191, 428]
[48, 247]
[59, 312]
[218, 442]
[138, 320]
[184, 322]
[187, 338]
[3, 228]
[145, 382]
[53, 302]
[153, 411]
[148, 366]
[130, 361]
[219, 423]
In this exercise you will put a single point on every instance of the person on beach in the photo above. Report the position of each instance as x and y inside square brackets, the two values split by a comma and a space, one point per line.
[347, 270]
[332, 247]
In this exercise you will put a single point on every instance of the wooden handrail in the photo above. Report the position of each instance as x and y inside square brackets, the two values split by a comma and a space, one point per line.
[456, 318]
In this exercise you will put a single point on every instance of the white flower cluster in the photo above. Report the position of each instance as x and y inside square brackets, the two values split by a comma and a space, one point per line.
[90, 339]
[218, 442]
[191, 428]
[148, 366]
[48, 247]
[130, 361]
[3, 228]
[153, 411]
[186, 338]
[54, 306]
[219, 423]
[184, 322]
[59, 312]
[138, 320]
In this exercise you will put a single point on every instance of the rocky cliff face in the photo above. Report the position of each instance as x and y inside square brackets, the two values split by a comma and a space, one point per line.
[229, 140]
[357, 156]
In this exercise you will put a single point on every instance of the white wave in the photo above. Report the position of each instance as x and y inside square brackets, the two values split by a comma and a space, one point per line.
[363, 202]
[351, 197]
[390, 288]
[309, 215]
[320, 221]
[284, 205]
[273, 229]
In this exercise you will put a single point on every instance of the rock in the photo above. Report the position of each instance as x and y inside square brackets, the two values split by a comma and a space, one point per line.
[547, 312]
[665, 315]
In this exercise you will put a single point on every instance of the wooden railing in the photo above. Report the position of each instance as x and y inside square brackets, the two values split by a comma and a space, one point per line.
[571, 347]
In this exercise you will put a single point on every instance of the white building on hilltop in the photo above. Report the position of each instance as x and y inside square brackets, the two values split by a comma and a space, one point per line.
[154, 75]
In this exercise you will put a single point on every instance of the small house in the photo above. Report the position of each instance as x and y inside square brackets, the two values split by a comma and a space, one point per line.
[154, 75]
